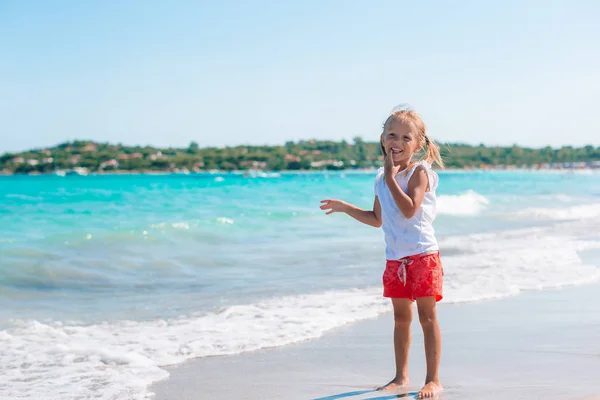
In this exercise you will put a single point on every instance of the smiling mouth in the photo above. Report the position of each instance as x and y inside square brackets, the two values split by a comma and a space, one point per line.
[395, 150]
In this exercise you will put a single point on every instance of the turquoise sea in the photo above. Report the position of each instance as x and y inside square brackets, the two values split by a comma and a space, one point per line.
[105, 279]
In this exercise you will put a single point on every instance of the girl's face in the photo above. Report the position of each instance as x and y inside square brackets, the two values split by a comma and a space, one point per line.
[401, 140]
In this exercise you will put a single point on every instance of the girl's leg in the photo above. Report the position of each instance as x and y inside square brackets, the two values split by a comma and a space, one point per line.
[433, 345]
[402, 320]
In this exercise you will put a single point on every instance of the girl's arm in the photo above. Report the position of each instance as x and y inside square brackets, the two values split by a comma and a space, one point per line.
[409, 202]
[369, 217]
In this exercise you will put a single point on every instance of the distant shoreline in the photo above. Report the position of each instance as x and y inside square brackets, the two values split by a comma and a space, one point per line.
[87, 157]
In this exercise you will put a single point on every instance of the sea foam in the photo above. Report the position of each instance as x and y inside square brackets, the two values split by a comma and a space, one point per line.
[466, 204]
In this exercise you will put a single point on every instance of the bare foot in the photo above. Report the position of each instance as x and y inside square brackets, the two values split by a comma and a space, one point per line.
[430, 390]
[395, 385]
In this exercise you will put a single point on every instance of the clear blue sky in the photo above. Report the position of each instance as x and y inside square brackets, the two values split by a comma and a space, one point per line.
[240, 72]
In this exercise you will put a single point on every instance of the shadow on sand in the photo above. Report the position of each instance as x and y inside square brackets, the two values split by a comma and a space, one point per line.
[360, 392]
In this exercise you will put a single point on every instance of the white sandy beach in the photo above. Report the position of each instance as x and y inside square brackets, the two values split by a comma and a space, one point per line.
[538, 345]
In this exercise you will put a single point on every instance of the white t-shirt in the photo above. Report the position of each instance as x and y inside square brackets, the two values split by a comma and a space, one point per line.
[407, 236]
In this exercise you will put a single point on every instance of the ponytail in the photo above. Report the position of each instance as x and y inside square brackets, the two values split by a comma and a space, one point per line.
[432, 152]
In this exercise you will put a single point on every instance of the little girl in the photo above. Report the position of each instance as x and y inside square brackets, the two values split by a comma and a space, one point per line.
[404, 206]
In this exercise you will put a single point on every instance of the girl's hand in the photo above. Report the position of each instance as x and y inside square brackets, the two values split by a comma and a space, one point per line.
[334, 206]
[389, 169]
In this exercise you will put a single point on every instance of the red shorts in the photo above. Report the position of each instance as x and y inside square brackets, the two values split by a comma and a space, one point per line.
[415, 276]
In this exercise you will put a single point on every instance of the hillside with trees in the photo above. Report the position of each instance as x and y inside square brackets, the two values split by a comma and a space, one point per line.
[87, 156]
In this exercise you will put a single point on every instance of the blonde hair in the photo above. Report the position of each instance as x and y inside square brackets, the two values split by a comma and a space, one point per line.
[431, 149]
